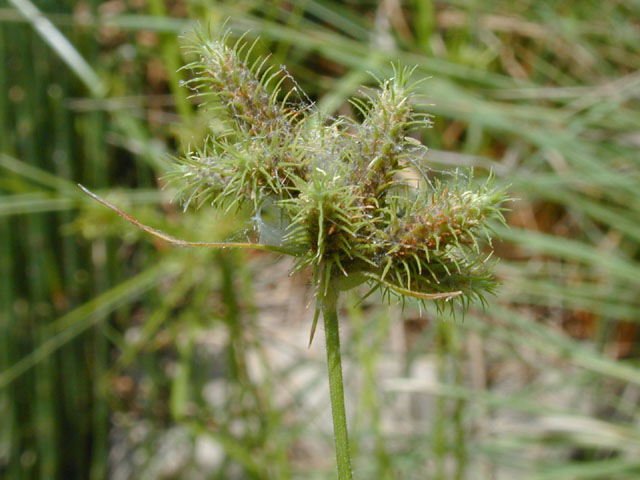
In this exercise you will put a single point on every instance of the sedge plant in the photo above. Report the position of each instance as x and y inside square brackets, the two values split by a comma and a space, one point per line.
[337, 188]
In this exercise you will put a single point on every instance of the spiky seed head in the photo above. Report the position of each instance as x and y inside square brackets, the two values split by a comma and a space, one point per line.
[335, 182]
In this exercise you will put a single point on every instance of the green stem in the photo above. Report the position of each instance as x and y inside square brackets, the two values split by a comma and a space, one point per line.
[336, 389]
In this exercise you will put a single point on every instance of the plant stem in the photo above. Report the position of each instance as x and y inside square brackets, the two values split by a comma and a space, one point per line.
[336, 389]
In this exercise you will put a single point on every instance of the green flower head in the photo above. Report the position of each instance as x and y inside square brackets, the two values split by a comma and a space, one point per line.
[336, 184]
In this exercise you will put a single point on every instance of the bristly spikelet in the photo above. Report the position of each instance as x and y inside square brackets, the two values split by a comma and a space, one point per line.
[225, 76]
[334, 182]
[265, 142]
[433, 235]
[381, 139]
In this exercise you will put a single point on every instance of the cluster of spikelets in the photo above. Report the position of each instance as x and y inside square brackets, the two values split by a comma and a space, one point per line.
[335, 184]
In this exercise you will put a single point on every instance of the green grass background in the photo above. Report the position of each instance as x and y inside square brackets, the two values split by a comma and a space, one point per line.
[108, 338]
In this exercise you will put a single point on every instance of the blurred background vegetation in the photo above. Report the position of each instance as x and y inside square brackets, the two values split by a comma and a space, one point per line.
[123, 357]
